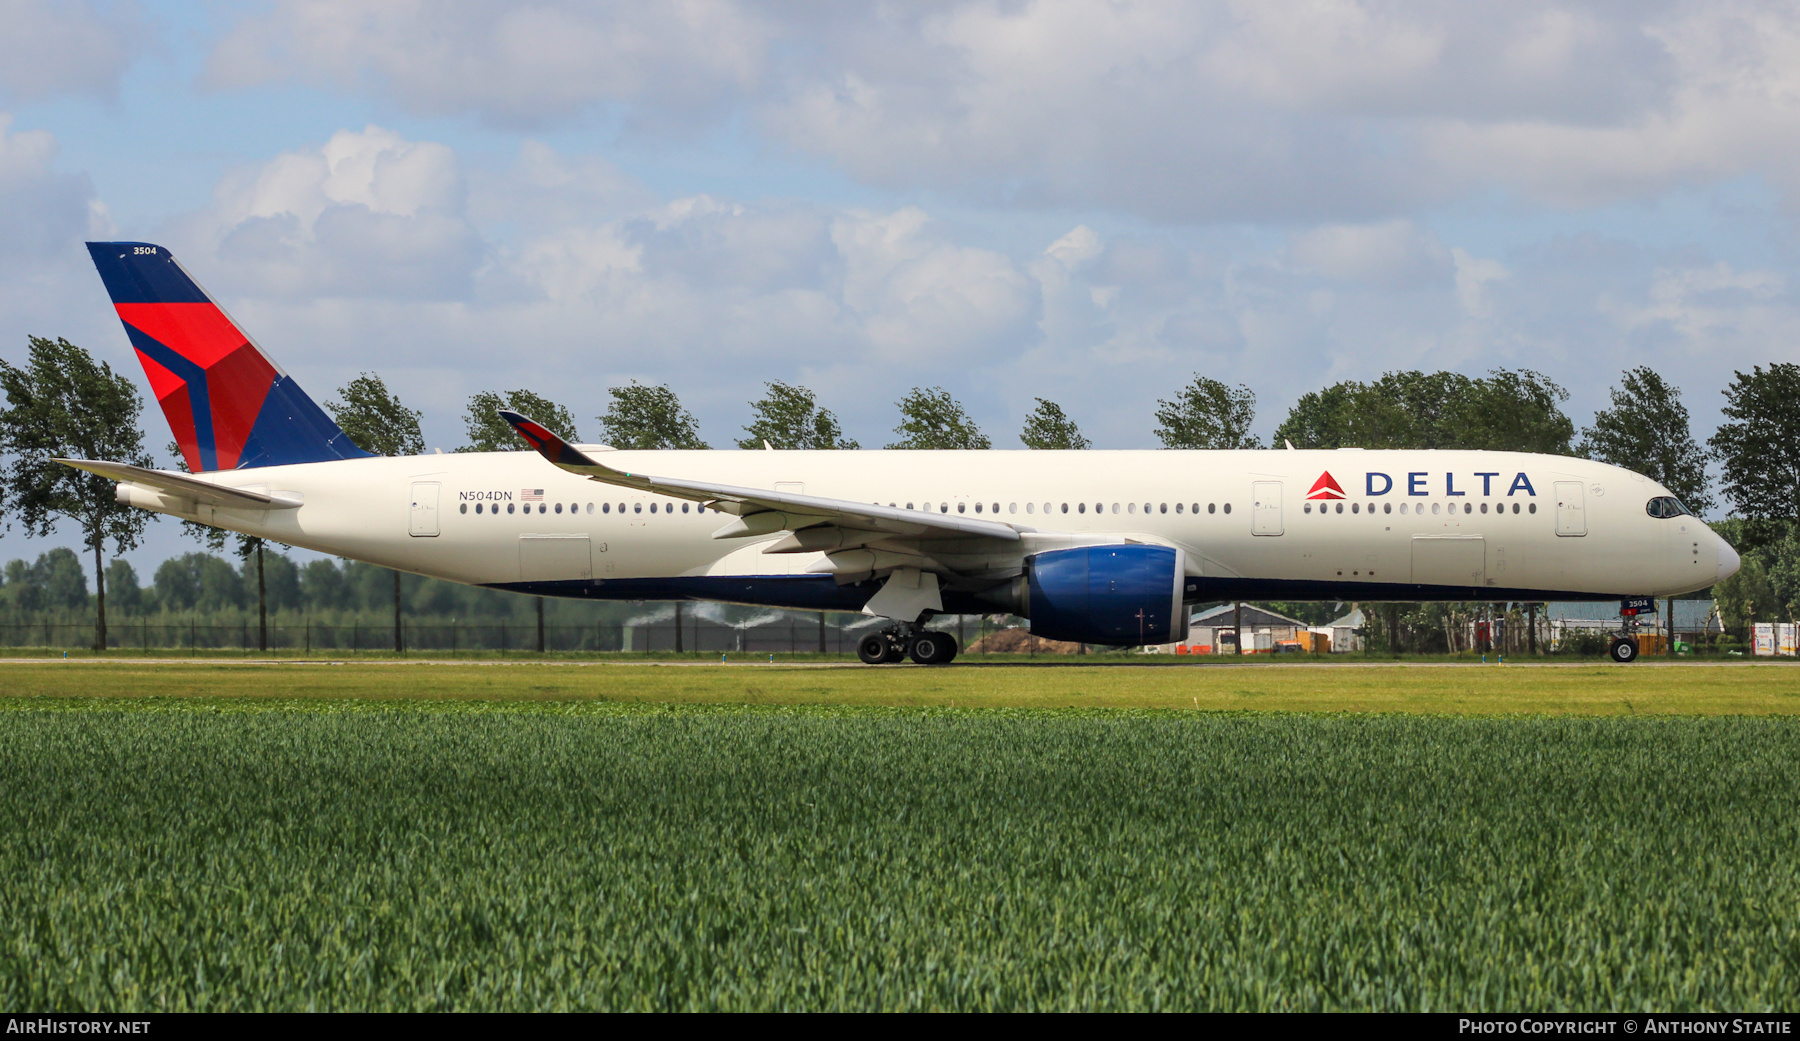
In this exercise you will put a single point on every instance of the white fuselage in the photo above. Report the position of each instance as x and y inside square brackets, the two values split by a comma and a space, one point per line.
[1432, 524]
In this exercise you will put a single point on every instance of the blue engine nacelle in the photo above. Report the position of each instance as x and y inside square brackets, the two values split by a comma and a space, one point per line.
[1118, 595]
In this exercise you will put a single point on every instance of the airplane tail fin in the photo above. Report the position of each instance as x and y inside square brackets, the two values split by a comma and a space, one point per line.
[228, 404]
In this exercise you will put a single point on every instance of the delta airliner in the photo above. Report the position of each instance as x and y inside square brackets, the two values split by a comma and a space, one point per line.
[1103, 547]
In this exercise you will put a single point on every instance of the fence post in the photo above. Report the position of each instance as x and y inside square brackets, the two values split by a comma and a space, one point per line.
[309, 636]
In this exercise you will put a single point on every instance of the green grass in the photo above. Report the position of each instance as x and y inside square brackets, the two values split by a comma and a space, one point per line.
[213, 853]
[1575, 689]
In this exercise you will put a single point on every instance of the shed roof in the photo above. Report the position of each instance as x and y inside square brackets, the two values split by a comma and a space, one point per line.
[1253, 616]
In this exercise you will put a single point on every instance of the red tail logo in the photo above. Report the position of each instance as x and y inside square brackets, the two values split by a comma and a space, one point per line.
[1326, 487]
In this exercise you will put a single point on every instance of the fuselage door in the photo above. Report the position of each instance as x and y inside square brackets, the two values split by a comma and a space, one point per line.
[1571, 518]
[423, 522]
[1265, 508]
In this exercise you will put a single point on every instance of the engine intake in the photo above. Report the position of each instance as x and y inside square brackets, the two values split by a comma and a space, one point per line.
[1119, 595]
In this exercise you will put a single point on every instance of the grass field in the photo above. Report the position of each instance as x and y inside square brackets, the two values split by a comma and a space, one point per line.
[469, 837]
[1582, 689]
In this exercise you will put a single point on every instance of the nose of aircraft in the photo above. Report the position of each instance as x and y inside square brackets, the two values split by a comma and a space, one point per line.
[1728, 560]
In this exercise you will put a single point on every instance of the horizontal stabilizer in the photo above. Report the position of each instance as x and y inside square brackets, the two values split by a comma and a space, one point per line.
[185, 486]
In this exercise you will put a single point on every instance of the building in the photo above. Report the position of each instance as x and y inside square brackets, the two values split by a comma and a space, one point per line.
[1214, 631]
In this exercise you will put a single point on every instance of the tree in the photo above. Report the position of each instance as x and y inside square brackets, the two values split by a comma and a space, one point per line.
[1515, 410]
[931, 418]
[1646, 430]
[122, 584]
[375, 419]
[788, 417]
[1207, 414]
[1759, 445]
[489, 433]
[1046, 427]
[648, 418]
[63, 404]
[377, 422]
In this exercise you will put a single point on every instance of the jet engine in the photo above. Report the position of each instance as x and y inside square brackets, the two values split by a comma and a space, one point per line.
[1124, 595]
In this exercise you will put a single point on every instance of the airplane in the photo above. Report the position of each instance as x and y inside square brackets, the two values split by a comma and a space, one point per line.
[1097, 547]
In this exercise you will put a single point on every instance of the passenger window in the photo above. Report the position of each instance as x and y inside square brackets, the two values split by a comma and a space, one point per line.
[1306, 507]
[1177, 507]
[684, 507]
[1131, 508]
[463, 508]
[1434, 508]
[621, 507]
[1340, 507]
[1012, 507]
[1515, 507]
[1210, 507]
[943, 507]
[1065, 507]
[1031, 507]
[909, 505]
[1162, 508]
[996, 507]
[509, 507]
[1081, 507]
[637, 507]
[1468, 507]
[559, 508]
[1355, 507]
[1115, 507]
[1196, 508]
[1227, 507]
[1531, 508]
[977, 508]
[477, 507]
[590, 509]
[1387, 507]
[1484, 507]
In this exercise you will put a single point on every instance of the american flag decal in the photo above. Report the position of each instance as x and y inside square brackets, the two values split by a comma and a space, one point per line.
[531, 494]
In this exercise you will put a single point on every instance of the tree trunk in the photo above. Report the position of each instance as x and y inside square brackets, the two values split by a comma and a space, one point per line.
[99, 600]
[821, 632]
[679, 647]
[262, 603]
[1394, 628]
[1531, 628]
[540, 614]
[1237, 622]
[1669, 629]
[397, 644]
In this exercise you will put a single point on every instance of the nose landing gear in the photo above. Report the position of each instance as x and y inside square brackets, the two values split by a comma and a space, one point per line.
[1624, 650]
[901, 642]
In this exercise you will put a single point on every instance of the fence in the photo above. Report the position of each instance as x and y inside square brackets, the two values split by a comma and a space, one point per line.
[800, 635]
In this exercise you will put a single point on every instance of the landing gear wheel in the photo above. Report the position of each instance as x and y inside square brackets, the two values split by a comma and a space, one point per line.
[929, 649]
[950, 648]
[873, 649]
[1623, 651]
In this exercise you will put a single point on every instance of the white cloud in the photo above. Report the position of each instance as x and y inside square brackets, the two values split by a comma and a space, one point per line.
[65, 47]
[511, 64]
[1397, 254]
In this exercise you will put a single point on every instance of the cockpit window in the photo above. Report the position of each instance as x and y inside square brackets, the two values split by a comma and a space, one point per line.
[1665, 506]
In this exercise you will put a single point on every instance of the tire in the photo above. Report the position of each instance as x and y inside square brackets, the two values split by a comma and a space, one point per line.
[1623, 651]
[927, 649]
[873, 649]
[950, 648]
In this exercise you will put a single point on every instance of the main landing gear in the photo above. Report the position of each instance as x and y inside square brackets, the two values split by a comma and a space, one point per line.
[899, 642]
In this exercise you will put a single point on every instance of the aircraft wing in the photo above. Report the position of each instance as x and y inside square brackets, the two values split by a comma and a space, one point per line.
[761, 511]
[185, 486]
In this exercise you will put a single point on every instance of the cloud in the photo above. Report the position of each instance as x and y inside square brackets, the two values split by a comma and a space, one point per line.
[1397, 254]
[68, 47]
[368, 213]
[511, 65]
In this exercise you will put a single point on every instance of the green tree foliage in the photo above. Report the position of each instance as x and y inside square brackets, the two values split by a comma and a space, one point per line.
[1048, 428]
[1759, 447]
[788, 417]
[489, 433]
[1646, 430]
[648, 418]
[198, 580]
[1207, 414]
[375, 419]
[1507, 410]
[931, 418]
[63, 404]
[55, 580]
[122, 586]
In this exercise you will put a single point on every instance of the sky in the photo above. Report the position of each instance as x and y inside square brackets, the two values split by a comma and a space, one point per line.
[1084, 202]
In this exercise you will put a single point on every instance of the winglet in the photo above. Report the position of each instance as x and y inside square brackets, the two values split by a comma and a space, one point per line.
[547, 444]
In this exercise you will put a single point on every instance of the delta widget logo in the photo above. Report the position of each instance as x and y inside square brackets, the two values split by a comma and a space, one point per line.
[1326, 487]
